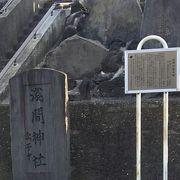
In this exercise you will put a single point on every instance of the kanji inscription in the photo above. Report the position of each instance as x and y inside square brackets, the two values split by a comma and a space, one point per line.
[35, 136]
[39, 125]
[152, 70]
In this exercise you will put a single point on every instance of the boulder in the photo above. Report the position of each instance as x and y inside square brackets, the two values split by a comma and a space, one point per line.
[78, 57]
[111, 88]
[162, 18]
[112, 19]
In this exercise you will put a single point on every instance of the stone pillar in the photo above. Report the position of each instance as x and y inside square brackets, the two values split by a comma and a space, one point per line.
[39, 125]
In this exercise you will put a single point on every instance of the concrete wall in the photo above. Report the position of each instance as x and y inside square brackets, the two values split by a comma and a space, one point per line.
[2, 1]
[19, 13]
[103, 140]
[50, 32]
[12, 23]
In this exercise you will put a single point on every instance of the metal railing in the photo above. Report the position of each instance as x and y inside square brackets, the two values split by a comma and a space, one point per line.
[32, 35]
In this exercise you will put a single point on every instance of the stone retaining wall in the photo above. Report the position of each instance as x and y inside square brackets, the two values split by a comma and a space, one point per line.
[103, 140]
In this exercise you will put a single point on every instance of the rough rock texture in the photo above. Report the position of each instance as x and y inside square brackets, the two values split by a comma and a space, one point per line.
[112, 62]
[162, 18]
[103, 140]
[77, 56]
[112, 19]
[111, 88]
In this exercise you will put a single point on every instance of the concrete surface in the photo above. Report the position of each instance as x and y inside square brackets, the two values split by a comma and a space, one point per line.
[103, 140]
[12, 22]
[34, 52]
[3, 1]
[17, 15]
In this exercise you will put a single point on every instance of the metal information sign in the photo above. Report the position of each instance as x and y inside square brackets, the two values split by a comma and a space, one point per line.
[147, 71]
[154, 70]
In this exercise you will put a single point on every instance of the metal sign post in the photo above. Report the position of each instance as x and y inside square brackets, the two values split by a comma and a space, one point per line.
[165, 136]
[138, 136]
[165, 121]
[147, 71]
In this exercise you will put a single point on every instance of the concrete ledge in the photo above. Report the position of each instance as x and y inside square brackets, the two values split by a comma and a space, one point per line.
[33, 53]
[103, 140]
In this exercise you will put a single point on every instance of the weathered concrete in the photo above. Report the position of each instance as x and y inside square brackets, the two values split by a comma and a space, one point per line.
[103, 139]
[78, 57]
[112, 19]
[35, 50]
[162, 18]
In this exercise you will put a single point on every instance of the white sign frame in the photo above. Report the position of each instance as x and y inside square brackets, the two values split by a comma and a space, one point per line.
[127, 91]
[165, 109]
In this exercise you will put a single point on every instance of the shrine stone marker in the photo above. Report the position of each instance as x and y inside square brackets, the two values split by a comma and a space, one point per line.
[162, 18]
[39, 125]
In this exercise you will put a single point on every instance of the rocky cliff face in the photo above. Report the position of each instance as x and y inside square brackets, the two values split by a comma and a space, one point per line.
[114, 24]
[109, 20]
[162, 18]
